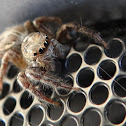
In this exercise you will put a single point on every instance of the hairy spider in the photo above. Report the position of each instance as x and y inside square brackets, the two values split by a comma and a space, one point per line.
[32, 47]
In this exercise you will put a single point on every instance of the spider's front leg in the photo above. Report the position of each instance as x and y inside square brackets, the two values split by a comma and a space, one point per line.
[25, 83]
[62, 32]
[35, 75]
[48, 78]
[10, 56]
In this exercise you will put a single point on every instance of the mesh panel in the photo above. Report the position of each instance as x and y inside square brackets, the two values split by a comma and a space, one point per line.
[98, 72]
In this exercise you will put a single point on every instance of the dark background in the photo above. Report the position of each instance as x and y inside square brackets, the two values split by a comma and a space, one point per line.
[87, 11]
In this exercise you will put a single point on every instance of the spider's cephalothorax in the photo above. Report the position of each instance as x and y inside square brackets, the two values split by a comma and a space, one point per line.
[39, 50]
[32, 47]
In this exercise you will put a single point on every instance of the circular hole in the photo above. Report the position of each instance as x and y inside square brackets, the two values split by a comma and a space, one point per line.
[99, 93]
[91, 118]
[85, 77]
[116, 112]
[81, 43]
[106, 69]
[92, 55]
[55, 112]
[58, 66]
[76, 102]
[17, 120]
[9, 105]
[73, 63]
[119, 86]
[67, 49]
[69, 121]
[16, 87]
[5, 90]
[115, 48]
[12, 72]
[46, 90]
[26, 100]
[35, 116]
[122, 62]
[69, 81]
[2, 123]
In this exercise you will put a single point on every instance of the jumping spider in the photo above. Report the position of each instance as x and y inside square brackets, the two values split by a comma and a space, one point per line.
[32, 47]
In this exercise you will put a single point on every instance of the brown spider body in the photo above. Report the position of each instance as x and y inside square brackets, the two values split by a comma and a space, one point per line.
[33, 47]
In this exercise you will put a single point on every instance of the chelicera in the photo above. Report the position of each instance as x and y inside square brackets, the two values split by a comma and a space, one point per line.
[32, 47]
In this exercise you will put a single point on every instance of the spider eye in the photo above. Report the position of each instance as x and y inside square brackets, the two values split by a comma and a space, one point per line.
[41, 50]
[46, 37]
[35, 54]
[46, 43]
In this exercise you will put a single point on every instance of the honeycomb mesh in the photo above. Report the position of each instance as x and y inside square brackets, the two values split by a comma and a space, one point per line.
[98, 72]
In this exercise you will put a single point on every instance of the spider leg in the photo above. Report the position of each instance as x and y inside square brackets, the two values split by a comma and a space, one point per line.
[29, 26]
[3, 68]
[23, 81]
[40, 24]
[14, 58]
[56, 82]
[48, 79]
[81, 29]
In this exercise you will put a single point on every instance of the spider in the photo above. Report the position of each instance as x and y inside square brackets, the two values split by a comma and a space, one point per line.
[32, 47]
